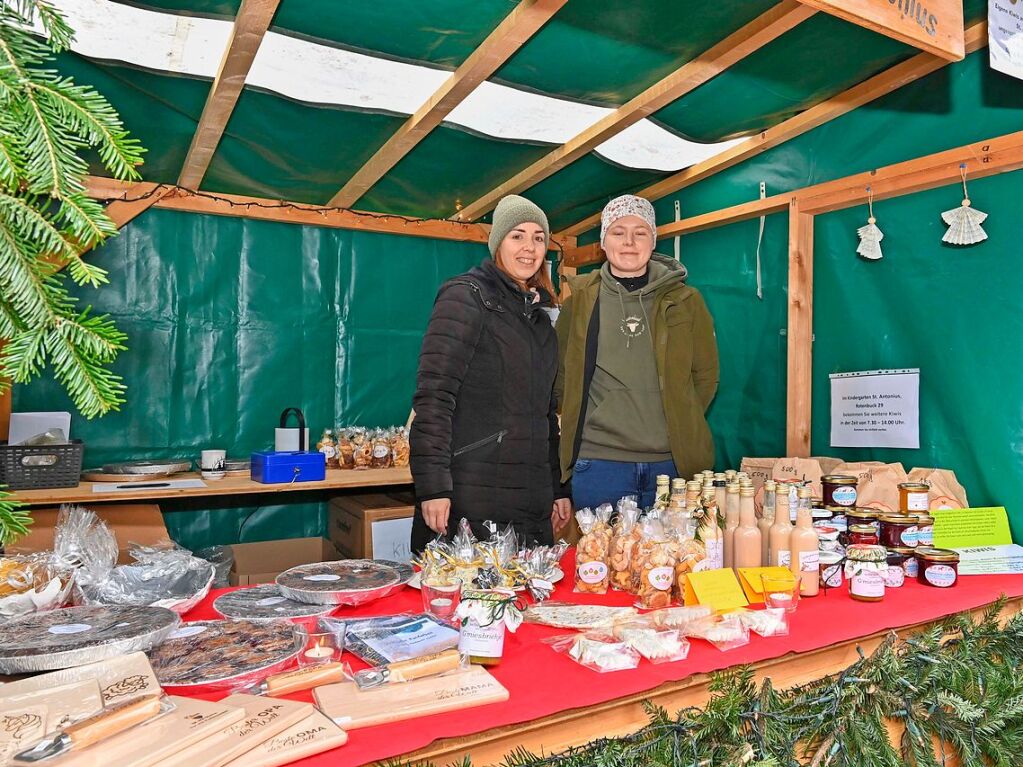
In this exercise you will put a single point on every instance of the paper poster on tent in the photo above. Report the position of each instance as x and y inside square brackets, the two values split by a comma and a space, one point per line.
[876, 408]
[1005, 36]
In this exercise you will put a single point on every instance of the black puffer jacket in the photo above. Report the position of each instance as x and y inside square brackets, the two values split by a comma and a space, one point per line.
[485, 433]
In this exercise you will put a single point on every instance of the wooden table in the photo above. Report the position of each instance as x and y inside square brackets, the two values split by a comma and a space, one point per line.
[228, 486]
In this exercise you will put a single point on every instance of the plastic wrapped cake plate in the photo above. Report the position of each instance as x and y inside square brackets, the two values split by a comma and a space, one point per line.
[79, 635]
[262, 603]
[345, 582]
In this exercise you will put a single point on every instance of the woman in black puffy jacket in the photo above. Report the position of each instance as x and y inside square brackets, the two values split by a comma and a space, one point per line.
[485, 436]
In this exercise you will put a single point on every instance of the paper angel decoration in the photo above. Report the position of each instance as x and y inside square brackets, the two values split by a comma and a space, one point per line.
[870, 235]
[964, 222]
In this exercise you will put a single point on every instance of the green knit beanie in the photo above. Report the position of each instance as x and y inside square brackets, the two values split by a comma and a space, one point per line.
[509, 213]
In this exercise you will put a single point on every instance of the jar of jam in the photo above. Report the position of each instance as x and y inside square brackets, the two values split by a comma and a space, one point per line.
[839, 490]
[897, 530]
[831, 569]
[866, 534]
[905, 557]
[866, 567]
[938, 567]
[861, 516]
[896, 574]
[914, 496]
[924, 529]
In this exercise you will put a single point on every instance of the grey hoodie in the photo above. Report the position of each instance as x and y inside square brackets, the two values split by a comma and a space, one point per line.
[625, 415]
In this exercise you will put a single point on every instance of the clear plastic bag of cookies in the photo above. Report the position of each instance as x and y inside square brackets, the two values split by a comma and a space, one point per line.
[381, 450]
[400, 447]
[724, 632]
[596, 651]
[345, 448]
[363, 445]
[657, 645]
[625, 536]
[656, 569]
[591, 570]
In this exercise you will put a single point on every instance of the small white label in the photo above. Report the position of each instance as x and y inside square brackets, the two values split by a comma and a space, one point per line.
[270, 601]
[329, 451]
[661, 578]
[702, 566]
[784, 558]
[917, 501]
[716, 553]
[909, 536]
[592, 572]
[941, 576]
[844, 496]
[540, 583]
[912, 567]
[809, 561]
[894, 576]
[70, 628]
[187, 631]
[322, 577]
[925, 536]
[868, 583]
[381, 451]
[831, 576]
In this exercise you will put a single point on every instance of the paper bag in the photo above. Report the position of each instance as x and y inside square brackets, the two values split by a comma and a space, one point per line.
[878, 483]
[946, 492]
[827, 463]
[805, 469]
[758, 469]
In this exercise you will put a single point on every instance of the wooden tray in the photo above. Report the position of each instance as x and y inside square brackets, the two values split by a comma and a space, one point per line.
[352, 708]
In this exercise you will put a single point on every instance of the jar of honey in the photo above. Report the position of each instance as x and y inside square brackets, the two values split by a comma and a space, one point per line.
[839, 490]
[914, 496]
[898, 530]
[938, 567]
[865, 568]
[866, 534]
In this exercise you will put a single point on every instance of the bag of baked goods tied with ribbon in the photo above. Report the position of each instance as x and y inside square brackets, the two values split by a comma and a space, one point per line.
[656, 567]
[624, 538]
[592, 574]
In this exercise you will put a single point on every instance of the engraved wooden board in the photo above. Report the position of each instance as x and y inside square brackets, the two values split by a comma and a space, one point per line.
[352, 708]
[313, 735]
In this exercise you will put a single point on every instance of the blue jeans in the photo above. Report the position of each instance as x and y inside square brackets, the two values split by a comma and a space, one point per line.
[595, 482]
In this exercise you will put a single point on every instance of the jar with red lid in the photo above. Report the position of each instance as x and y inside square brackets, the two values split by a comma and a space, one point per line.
[865, 534]
[897, 530]
[938, 567]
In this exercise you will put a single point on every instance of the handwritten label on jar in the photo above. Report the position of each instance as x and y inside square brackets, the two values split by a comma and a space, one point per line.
[941, 576]
[592, 572]
[482, 641]
[910, 536]
[894, 576]
[844, 496]
[70, 628]
[867, 583]
[661, 578]
[809, 561]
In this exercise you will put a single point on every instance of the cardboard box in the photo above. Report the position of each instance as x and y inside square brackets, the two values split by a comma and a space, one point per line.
[130, 522]
[263, 561]
[371, 525]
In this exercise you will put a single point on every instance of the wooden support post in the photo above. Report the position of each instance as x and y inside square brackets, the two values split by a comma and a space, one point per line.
[6, 403]
[800, 333]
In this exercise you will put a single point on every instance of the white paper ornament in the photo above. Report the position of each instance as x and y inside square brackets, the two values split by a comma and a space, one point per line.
[870, 235]
[964, 225]
[964, 222]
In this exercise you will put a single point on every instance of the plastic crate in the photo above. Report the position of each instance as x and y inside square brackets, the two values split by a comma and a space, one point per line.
[63, 467]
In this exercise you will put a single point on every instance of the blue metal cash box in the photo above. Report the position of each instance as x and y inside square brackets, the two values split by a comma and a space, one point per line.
[273, 468]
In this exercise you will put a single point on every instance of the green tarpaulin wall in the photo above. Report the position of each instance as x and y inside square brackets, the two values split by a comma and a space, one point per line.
[231, 320]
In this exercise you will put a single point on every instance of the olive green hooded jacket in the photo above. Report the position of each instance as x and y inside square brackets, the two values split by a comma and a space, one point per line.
[686, 355]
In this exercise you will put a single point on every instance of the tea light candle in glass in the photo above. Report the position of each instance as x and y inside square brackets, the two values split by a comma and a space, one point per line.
[441, 601]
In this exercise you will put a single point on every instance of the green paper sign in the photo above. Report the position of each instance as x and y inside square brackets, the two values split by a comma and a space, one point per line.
[960, 528]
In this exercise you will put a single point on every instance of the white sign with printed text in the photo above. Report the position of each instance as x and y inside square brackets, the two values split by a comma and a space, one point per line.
[1005, 36]
[876, 408]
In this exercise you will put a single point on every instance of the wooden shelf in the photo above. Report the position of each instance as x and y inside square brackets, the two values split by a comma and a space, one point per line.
[336, 480]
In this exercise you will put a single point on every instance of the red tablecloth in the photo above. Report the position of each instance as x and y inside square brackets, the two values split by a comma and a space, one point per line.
[542, 682]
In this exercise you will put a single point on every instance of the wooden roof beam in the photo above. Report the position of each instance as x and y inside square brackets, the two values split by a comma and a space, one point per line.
[251, 24]
[869, 90]
[506, 39]
[737, 46]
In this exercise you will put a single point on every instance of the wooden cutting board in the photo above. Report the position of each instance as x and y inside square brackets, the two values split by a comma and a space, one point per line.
[313, 735]
[352, 708]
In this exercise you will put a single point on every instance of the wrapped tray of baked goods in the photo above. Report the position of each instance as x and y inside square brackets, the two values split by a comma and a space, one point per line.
[78, 635]
[344, 582]
[265, 603]
[33, 583]
[571, 616]
[204, 656]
